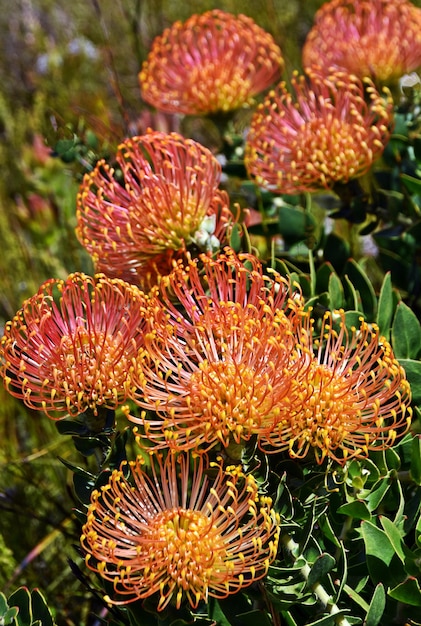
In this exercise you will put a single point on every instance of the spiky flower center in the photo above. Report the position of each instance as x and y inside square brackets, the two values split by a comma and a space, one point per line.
[233, 398]
[188, 544]
[330, 148]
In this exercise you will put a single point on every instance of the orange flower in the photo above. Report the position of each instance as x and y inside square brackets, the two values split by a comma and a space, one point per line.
[376, 38]
[174, 532]
[216, 361]
[351, 395]
[213, 62]
[70, 346]
[332, 131]
[164, 199]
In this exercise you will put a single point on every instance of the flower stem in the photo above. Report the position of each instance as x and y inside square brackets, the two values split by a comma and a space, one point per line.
[318, 589]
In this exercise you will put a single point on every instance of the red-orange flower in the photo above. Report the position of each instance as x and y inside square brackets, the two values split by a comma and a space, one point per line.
[376, 38]
[216, 362]
[70, 346]
[178, 534]
[212, 62]
[329, 131]
[162, 198]
[349, 397]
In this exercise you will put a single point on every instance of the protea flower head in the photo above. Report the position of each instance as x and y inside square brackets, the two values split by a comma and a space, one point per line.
[216, 373]
[213, 62]
[69, 348]
[174, 532]
[376, 38]
[328, 130]
[161, 198]
[349, 397]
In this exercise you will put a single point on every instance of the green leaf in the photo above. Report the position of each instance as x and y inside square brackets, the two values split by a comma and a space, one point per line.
[412, 184]
[377, 606]
[3, 604]
[83, 487]
[394, 536]
[336, 292]
[406, 333]
[413, 374]
[252, 618]
[363, 285]
[336, 251]
[382, 562]
[22, 599]
[10, 617]
[386, 306]
[294, 224]
[40, 609]
[235, 238]
[415, 468]
[407, 592]
[377, 494]
[216, 613]
[356, 509]
[323, 564]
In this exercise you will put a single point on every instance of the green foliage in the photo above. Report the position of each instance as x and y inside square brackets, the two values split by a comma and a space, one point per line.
[25, 608]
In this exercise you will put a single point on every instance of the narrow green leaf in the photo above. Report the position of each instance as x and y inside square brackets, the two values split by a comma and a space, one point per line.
[363, 285]
[385, 307]
[323, 564]
[353, 297]
[356, 509]
[415, 468]
[406, 333]
[355, 596]
[377, 606]
[408, 592]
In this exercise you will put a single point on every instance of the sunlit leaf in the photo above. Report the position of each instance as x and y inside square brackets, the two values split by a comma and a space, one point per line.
[377, 606]
[408, 592]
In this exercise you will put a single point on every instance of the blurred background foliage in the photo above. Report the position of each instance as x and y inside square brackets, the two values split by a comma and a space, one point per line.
[69, 92]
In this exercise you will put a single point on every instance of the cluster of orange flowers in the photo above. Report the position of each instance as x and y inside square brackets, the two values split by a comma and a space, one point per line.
[216, 349]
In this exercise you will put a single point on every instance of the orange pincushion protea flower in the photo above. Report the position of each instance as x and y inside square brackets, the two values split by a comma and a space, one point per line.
[213, 62]
[176, 533]
[331, 131]
[217, 372]
[351, 395]
[166, 198]
[376, 38]
[70, 346]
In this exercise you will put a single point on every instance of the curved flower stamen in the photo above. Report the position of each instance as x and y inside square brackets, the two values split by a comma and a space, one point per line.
[176, 533]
